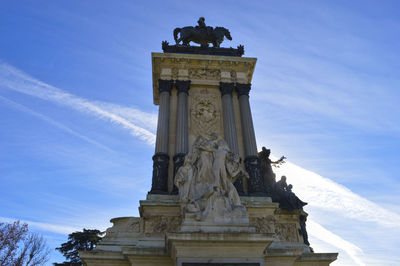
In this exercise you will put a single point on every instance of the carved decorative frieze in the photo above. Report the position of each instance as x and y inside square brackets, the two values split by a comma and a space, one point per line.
[287, 232]
[162, 224]
[204, 73]
[263, 224]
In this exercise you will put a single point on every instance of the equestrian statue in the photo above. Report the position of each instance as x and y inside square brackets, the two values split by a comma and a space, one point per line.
[201, 34]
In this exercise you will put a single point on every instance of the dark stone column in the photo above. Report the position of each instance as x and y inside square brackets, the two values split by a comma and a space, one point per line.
[161, 158]
[229, 125]
[251, 160]
[182, 127]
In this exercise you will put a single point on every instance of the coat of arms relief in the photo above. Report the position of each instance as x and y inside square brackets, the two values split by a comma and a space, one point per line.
[205, 113]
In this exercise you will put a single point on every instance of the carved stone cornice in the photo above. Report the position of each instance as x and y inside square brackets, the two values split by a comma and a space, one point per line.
[243, 89]
[165, 85]
[182, 85]
[226, 88]
[203, 70]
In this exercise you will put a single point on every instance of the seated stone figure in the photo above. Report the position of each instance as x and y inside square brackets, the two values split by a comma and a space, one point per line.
[205, 181]
[286, 198]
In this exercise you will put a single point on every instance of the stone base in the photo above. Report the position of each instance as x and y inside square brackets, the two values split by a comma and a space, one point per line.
[206, 227]
[160, 237]
[222, 247]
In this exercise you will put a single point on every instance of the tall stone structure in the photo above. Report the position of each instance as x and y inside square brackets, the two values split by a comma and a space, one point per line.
[207, 204]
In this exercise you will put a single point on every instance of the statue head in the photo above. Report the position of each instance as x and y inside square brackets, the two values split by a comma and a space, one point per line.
[201, 22]
[228, 35]
[264, 154]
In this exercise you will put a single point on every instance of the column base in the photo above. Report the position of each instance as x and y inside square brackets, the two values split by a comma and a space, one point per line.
[256, 187]
[160, 174]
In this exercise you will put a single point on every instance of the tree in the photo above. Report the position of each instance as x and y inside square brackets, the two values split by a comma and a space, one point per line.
[20, 247]
[79, 241]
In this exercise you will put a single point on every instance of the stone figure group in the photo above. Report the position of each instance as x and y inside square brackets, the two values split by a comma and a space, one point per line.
[205, 181]
[283, 194]
[280, 191]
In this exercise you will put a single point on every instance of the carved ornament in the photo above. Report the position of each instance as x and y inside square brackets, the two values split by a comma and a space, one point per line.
[287, 232]
[204, 114]
[162, 224]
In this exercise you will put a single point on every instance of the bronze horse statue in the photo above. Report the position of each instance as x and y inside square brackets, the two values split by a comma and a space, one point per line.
[201, 35]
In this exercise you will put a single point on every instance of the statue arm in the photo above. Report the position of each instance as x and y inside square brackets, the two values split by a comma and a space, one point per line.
[279, 162]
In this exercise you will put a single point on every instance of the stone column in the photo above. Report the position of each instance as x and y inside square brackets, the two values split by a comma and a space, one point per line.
[229, 124]
[182, 127]
[251, 160]
[161, 158]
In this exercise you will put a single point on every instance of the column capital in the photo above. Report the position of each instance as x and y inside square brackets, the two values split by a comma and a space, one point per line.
[182, 85]
[226, 88]
[165, 85]
[243, 89]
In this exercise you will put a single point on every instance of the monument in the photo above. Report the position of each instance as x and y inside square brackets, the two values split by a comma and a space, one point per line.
[214, 198]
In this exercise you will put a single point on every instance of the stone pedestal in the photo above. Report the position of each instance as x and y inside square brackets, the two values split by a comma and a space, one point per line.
[216, 248]
[156, 238]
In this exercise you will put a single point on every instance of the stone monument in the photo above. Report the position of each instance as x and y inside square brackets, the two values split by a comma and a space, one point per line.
[214, 199]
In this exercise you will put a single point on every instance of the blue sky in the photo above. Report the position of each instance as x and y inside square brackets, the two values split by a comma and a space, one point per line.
[78, 122]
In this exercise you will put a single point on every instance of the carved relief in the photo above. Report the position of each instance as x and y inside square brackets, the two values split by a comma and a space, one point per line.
[174, 73]
[205, 182]
[233, 74]
[263, 224]
[204, 73]
[287, 232]
[161, 224]
[124, 225]
[205, 115]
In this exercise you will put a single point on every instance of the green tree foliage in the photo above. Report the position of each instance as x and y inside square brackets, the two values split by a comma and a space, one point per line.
[20, 247]
[78, 241]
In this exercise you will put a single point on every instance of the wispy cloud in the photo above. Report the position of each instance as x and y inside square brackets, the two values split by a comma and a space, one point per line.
[13, 79]
[328, 195]
[133, 115]
[316, 87]
[318, 231]
[55, 228]
[59, 125]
